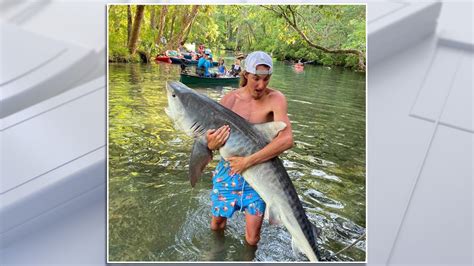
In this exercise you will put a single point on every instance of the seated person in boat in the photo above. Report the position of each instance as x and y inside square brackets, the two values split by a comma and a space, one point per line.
[221, 69]
[181, 49]
[201, 49]
[203, 66]
[235, 68]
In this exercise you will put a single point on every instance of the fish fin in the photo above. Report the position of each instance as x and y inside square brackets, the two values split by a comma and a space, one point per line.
[316, 231]
[269, 130]
[294, 248]
[200, 157]
[297, 252]
[317, 234]
[272, 216]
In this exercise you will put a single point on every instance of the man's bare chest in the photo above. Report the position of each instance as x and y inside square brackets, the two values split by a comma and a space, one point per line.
[253, 112]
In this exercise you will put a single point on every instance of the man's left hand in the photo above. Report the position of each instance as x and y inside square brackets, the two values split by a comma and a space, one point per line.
[238, 164]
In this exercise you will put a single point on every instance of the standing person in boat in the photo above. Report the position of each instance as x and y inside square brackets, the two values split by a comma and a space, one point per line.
[256, 103]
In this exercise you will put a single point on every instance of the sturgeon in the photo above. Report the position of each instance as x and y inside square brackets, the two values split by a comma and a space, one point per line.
[195, 113]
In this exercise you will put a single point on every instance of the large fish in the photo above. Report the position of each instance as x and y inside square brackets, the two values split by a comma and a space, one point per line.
[195, 113]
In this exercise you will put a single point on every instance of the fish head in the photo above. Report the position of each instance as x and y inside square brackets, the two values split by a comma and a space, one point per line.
[176, 109]
[184, 107]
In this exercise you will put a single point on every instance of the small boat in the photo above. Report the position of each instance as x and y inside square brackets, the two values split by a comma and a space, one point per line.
[163, 58]
[190, 62]
[187, 55]
[192, 79]
[194, 62]
[177, 60]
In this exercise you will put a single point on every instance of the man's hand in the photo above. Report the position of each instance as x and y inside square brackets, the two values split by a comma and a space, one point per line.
[238, 164]
[217, 138]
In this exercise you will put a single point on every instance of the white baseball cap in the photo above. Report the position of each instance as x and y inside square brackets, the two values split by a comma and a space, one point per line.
[258, 58]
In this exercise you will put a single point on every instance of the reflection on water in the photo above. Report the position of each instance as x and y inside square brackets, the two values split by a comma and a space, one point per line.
[155, 215]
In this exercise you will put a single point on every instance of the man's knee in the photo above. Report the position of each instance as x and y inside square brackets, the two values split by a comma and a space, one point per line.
[252, 240]
[218, 224]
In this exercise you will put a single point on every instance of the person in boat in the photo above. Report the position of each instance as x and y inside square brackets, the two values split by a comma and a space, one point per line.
[299, 66]
[257, 103]
[211, 59]
[201, 49]
[181, 49]
[208, 52]
[184, 66]
[235, 69]
[163, 40]
[203, 66]
[221, 69]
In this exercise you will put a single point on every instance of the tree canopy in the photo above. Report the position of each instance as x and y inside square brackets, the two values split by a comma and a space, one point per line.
[323, 34]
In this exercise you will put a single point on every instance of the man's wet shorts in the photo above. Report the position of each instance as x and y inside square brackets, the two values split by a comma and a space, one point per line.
[232, 193]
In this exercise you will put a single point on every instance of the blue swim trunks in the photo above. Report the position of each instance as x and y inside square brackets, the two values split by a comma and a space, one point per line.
[232, 193]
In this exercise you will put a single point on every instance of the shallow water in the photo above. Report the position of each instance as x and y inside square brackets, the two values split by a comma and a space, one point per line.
[155, 215]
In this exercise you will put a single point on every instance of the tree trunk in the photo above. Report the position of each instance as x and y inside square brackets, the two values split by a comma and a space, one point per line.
[189, 23]
[132, 47]
[237, 46]
[170, 36]
[161, 26]
[186, 35]
[129, 23]
[152, 17]
[229, 31]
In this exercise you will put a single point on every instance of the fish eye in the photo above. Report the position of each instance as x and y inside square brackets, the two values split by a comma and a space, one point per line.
[174, 95]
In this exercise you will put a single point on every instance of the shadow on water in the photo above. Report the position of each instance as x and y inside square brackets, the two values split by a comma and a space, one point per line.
[155, 215]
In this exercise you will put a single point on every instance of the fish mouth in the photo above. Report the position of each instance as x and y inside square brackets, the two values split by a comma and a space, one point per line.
[169, 89]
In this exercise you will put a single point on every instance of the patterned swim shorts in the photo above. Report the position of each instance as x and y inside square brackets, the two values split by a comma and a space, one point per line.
[232, 193]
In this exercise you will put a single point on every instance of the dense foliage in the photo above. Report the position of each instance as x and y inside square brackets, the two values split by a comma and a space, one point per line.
[287, 32]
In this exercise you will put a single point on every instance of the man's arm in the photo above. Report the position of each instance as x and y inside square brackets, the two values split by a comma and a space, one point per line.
[282, 142]
[216, 138]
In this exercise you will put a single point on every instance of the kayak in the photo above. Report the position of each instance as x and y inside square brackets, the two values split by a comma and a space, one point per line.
[162, 58]
[192, 79]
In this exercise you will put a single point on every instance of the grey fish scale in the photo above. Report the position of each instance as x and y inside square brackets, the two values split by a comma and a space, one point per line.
[298, 211]
[245, 140]
[226, 116]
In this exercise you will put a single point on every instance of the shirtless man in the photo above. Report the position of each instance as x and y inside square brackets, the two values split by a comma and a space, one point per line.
[257, 103]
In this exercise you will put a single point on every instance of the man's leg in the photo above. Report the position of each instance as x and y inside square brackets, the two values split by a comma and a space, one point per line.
[252, 228]
[217, 250]
[218, 223]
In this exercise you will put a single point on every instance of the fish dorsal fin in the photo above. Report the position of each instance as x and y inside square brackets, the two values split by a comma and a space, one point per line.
[269, 130]
[200, 157]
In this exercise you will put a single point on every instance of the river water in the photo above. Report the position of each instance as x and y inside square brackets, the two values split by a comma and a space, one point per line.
[155, 215]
